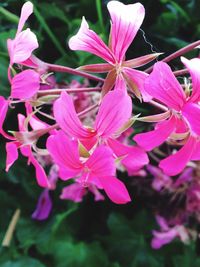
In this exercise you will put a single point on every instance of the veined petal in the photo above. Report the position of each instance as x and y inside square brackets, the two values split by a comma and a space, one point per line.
[193, 66]
[114, 111]
[134, 156]
[25, 84]
[191, 113]
[21, 48]
[101, 162]
[163, 86]
[26, 11]
[175, 163]
[156, 137]
[67, 118]
[136, 81]
[87, 40]
[126, 21]
[65, 154]
[115, 189]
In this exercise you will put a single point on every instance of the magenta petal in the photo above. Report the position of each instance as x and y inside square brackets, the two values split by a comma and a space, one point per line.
[115, 189]
[27, 10]
[3, 112]
[196, 152]
[87, 40]
[126, 21]
[134, 157]
[164, 238]
[193, 66]
[65, 154]
[12, 154]
[101, 162]
[25, 84]
[41, 177]
[114, 112]
[44, 206]
[163, 86]
[156, 137]
[21, 48]
[138, 78]
[74, 192]
[191, 113]
[175, 163]
[67, 118]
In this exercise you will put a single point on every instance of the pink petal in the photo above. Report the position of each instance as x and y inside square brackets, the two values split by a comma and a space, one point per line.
[134, 157]
[162, 223]
[186, 176]
[12, 154]
[196, 152]
[67, 118]
[126, 21]
[87, 40]
[164, 238]
[3, 112]
[21, 48]
[156, 137]
[191, 113]
[65, 154]
[27, 10]
[25, 84]
[74, 192]
[193, 66]
[44, 206]
[115, 189]
[175, 163]
[160, 179]
[41, 177]
[114, 112]
[138, 78]
[97, 195]
[163, 86]
[101, 162]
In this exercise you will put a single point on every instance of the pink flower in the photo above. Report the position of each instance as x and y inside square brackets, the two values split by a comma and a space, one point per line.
[25, 148]
[114, 111]
[99, 169]
[160, 180]
[183, 119]
[22, 46]
[167, 234]
[126, 21]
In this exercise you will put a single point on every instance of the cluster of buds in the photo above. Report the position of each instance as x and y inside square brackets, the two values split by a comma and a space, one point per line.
[88, 129]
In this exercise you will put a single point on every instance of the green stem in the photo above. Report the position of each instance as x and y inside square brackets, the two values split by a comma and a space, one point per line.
[8, 15]
[49, 32]
[99, 13]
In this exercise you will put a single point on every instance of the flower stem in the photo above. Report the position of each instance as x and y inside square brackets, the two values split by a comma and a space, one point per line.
[178, 53]
[59, 91]
[59, 68]
[180, 72]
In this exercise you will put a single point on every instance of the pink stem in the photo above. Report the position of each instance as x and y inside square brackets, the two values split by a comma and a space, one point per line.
[59, 91]
[82, 113]
[180, 72]
[58, 68]
[178, 53]
[158, 105]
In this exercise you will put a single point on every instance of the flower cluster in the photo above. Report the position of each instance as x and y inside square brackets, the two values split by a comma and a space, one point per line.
[87, 129]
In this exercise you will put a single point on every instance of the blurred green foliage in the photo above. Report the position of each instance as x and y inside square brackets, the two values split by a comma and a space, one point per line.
[89, 234]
